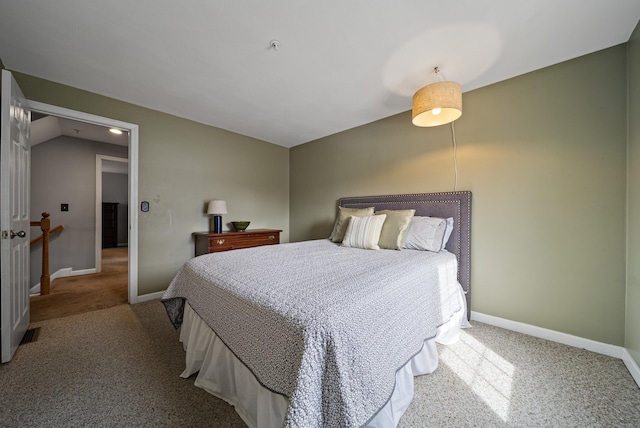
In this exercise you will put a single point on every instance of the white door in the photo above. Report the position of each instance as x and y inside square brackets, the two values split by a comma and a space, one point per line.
[14, 217]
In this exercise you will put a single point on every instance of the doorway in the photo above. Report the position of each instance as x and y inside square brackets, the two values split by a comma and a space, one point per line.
[131, 131]
[111, 204]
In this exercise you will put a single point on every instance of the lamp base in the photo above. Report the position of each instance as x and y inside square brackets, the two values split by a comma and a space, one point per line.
[217, 224]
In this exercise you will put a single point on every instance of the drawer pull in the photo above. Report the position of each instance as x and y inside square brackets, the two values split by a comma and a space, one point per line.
[271, 237]
[220, 241]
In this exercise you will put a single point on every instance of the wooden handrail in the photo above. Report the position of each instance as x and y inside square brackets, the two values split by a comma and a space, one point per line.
[52, 232]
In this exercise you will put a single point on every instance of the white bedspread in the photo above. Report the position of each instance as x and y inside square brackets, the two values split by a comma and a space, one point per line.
[323, 325]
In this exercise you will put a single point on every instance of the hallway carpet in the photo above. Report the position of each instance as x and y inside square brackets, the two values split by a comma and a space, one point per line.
[73, 295]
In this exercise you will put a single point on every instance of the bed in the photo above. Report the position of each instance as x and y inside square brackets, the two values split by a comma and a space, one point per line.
[318, 334]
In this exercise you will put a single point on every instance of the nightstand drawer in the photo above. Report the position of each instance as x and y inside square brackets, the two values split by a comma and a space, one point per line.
[225, 241]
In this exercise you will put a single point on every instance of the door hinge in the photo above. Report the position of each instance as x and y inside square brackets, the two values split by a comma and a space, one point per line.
[5, 234]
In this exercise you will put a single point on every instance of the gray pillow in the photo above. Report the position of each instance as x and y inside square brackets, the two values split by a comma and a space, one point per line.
[426, 234]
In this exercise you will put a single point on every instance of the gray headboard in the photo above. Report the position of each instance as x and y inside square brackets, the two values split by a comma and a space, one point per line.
[446, 204]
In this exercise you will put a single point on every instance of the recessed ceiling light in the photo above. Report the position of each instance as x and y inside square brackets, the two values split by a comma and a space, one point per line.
[115, 131]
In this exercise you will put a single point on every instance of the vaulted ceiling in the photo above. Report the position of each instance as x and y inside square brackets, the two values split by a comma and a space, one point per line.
[291, 71]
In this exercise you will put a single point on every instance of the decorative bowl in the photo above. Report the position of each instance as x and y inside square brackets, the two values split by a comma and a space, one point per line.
[240, 226]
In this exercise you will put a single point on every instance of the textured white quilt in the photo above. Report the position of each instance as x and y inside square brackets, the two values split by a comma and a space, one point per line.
[324, 325]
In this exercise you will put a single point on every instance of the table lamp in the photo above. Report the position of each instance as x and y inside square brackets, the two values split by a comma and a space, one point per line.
[217, 208]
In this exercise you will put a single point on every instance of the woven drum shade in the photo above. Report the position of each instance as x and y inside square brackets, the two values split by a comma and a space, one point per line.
[446, 96]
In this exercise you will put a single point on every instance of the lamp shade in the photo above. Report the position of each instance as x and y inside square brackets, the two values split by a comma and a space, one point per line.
[437, 104]
[217, 207]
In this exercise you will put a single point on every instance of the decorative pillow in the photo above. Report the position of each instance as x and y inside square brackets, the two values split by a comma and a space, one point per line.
[426, 233]
[340, 227]
[364, 232]
[447, 232]
[395, 227]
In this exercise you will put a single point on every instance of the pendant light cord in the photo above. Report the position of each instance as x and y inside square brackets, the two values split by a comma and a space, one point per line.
[455, 157]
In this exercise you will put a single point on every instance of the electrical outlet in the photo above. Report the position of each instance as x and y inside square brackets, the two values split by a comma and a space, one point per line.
[64, 207]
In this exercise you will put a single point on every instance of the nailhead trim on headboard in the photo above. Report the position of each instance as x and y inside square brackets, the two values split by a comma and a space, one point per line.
[443, 204]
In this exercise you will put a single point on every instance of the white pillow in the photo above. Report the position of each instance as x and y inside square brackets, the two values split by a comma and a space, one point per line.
[426, 233]
[447, 232]
[364, 232]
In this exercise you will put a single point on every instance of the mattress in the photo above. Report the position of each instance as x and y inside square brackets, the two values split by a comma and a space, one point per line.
[326, 328]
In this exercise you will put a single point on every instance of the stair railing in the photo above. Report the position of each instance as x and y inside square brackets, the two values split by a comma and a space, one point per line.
[45, 226]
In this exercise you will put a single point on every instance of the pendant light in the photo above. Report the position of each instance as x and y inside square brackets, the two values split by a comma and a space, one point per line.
[438, 103]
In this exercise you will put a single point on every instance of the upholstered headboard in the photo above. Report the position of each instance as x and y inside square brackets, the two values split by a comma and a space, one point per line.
[446, 204]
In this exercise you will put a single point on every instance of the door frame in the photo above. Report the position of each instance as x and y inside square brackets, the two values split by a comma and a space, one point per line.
[99, 159]
[133, 132]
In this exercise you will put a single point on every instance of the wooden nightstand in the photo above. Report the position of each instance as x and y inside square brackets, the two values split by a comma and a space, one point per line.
[208, 242]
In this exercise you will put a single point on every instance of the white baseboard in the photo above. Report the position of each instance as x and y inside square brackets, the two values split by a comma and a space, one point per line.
[567, 339]
[61, 273]
[83, 272]
[632, 366]
[150, 296]
[554, 336]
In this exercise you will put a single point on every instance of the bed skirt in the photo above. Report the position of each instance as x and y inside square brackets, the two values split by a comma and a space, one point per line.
[223, 375]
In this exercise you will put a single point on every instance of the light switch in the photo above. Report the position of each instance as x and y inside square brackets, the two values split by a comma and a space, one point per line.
[64, 207]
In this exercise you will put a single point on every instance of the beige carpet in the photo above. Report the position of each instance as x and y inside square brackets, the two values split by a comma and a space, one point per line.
[84, 293]
[119, 367]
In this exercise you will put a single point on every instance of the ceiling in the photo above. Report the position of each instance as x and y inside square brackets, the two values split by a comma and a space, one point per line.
[337, 64]
[48, 127]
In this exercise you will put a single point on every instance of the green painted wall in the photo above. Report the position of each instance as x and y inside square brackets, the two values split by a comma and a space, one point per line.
[632, 335]
[545, 157]
[182, 165]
